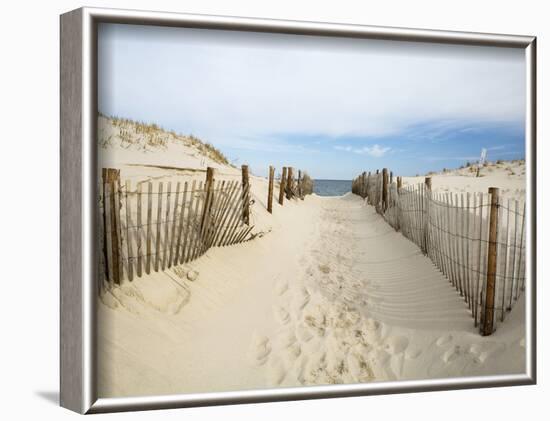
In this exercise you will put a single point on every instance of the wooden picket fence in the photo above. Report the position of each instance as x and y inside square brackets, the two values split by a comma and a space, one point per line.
[477, 240]
[158, 225]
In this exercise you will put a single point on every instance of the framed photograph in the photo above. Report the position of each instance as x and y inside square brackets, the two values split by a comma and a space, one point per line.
[262, 210]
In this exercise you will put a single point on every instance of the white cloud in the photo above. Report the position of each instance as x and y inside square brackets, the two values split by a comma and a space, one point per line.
[375, 151]
[344, 148]
[226, 85]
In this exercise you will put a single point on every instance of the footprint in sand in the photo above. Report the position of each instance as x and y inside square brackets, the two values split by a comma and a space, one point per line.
[444, 340]
[126, 300]
[337, 367]
[396, 345]
[372, 331]
[109, 300]
[276, 372]
[259, 349]
[371, 324]
[494, 350]
[412, 353]
[324, 269]
[312, 367]
[303, 333]
[380, 364]
[281, 287]
[292, 352]
[475, 349]
[287, 339]
[301, 299]
[451, 354]
[302, 368]
[281, 315]
[354, 366]
[358, 368]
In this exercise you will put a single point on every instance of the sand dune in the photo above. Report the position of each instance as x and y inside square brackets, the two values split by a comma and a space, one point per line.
[509, 176]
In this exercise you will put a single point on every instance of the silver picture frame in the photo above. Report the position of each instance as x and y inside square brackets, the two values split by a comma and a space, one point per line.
[78, 262]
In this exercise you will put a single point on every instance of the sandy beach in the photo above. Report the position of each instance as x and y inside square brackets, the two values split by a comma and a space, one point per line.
[327, 293]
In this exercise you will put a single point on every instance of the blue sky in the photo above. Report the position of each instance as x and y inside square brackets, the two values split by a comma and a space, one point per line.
[332, 106]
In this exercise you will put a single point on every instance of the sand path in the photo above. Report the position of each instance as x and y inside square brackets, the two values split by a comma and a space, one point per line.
[331, 295]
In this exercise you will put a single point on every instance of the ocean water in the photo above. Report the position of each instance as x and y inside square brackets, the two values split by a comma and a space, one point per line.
[331, 187]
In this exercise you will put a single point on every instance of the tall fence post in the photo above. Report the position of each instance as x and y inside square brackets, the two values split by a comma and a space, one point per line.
[158, 223]
[111, 179]
[289, 183]
[427, 199]
[208, 200]
[364, 184]
[282, 187]
[246, 204]
[270, 189]
[384, 189]
[391, 177]
[149, 240]
[106, 231]
[367, 188]
[128, 238]
[299, 186]
[139, 230]
[398, 205]
[489, 310]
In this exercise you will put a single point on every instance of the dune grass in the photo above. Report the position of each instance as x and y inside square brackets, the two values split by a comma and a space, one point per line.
[151, 135]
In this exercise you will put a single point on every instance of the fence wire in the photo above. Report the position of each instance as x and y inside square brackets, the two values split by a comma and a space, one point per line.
[452, 229]
[151, 229]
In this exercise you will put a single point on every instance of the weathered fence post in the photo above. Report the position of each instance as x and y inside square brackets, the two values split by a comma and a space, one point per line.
[246, 204]
[384, 189]
[299, 187]
[206, 217]
[208, 189]
[398, 205]
[427, 199]
[428, 181]
[166, 225]
[367, 188]
[128, 237]
[489, 310]
[148, 232]
[391, 177]
[139, 230]
[158, 223]
[174, 225]
[111, 178]
[270, 189]
[364, 184]
[106, 231]
[282, 187]
[289, 183]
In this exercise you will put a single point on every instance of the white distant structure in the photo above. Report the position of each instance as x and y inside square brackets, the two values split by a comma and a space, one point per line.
[483, 157]
[482, 160]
